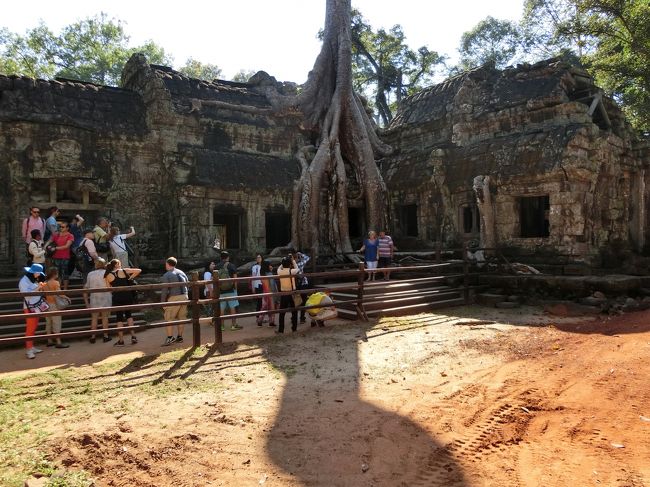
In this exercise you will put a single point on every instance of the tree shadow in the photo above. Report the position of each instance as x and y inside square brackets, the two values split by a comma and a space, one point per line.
[326, 434]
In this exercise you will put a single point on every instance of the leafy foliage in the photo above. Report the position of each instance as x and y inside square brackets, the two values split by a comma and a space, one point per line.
[94, 49]
[199, 70]
[620, 59]
[243, 75]
[385, 68]
[492, 41]
[611, 38]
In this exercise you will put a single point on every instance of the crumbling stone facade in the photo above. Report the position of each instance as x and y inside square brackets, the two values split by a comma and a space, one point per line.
[531, 157]
[182, 160]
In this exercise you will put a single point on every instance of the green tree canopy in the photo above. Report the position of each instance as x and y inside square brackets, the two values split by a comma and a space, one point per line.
[611, 38]
[243, 75]
[491, 41]
[385, 68]
[94, 49]
[199, 70]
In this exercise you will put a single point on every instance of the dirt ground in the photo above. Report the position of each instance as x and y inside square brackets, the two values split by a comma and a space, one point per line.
[465, 397]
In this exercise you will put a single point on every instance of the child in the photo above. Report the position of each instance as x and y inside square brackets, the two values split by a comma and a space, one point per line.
[53, 323]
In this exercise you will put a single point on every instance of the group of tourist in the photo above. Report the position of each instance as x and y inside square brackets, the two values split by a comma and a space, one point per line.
[378, 253]
[48, 269]
[55, 248]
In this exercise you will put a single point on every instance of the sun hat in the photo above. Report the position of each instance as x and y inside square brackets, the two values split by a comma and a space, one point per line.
[34, 269]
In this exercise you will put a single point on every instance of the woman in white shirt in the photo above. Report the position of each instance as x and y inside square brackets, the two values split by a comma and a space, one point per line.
[96, 280]
[117, 242]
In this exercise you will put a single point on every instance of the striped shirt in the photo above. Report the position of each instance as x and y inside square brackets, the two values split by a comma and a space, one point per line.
[385, 246]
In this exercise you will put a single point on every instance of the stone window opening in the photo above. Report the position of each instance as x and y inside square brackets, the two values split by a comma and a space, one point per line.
[408, 220]
[534, 216]
[278, 228]
[470, 222]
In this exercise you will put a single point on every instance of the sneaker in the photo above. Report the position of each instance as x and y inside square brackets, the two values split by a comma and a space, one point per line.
[62, 345]
[93, 339]
[119, 343]
[271, 324]
[235, 327]
[260, 323]
[223, 328]
[30, 353]
[134, 340]
[179, 339]
[169, 341]
[37, 350]
[106, 339]
[50, 343]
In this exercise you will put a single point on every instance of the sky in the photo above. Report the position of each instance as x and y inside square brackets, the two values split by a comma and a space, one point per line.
[277, 36]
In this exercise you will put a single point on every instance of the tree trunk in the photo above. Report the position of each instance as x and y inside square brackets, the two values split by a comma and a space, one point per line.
[345, 137]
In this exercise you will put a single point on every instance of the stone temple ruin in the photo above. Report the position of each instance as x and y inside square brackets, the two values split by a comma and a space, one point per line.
[533, 157]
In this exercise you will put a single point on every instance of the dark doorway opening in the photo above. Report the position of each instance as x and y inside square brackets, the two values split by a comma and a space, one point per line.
[533, 216]
[470, 219]
[278, 229]
[356, 222]
[232, 224]
[408, 218]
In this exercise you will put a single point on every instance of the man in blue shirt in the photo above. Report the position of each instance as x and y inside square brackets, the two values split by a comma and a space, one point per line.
[174, 293]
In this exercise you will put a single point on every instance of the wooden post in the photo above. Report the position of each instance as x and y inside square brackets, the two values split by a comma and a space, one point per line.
[361, 315]
[465, 273]
[438, 252]
[313, 265]
[216, 309]
[196, 310]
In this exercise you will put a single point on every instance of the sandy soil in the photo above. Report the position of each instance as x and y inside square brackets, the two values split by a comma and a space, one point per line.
[469, 397]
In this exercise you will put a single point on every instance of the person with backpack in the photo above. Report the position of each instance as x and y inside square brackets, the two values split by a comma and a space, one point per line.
[228, 289]
[86, 255]
[51, 225]
[36, 249]
[33, 222]
[76, 230]
[117, 242]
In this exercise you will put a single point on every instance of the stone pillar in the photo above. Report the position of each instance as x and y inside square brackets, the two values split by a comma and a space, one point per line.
[638, 204]
[485, 205]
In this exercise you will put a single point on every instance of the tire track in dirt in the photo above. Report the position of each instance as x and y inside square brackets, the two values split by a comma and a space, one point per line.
[501, 429]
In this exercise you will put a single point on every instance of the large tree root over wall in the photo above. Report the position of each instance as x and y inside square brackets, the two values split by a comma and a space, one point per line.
[346, 135]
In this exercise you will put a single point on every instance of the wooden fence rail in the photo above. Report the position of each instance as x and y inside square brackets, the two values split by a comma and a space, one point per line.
[353, 281]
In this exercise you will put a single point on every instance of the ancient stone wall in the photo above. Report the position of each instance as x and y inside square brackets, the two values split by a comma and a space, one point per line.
[154, 154]
[564, 175]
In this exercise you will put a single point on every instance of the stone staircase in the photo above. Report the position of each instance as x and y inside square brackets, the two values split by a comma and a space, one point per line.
[397, 297]
[70, 323]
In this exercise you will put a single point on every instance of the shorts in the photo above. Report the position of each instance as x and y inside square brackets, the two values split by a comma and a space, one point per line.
[371, 265]
[231, 303]
[123, 315]
[385, 261]
[62, 266]
[179, 312]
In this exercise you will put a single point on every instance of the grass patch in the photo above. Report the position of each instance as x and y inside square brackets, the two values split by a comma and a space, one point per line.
[34, 407]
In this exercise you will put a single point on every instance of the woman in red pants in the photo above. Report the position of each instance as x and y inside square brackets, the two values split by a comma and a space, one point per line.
[32, 305]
